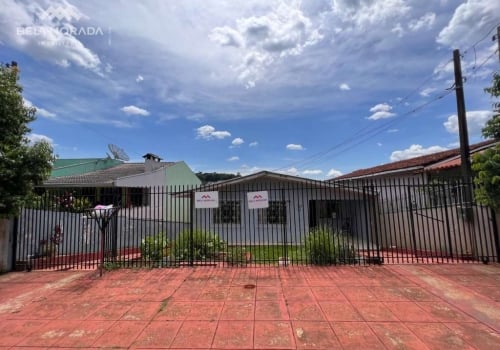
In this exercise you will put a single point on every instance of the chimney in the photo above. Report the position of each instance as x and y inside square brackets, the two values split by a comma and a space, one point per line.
[151, 162]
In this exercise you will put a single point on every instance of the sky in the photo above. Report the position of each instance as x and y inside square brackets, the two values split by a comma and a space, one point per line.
[313, 88]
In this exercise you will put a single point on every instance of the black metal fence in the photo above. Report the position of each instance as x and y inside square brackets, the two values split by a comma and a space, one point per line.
[301, 222]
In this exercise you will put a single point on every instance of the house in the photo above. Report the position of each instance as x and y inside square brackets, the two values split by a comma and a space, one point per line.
[295, 207]
[444, 164]
[426, 207]
[127, 184]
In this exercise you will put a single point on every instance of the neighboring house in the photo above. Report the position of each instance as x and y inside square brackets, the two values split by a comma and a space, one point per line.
[444, 164]
[296, 206]
[424, 204]
[129, 185]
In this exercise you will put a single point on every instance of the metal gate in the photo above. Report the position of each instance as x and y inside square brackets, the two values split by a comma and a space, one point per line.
[307, 222]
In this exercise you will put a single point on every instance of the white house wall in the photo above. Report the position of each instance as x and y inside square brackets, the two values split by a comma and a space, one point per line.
[249, 231]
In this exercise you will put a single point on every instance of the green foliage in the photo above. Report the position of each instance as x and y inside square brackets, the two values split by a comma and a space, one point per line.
[324, 247]
[155, 247]
[80, 204]
[236, 256]
[492, 127]
[486, 165]
[214, 177]
[22, 165]
[65, 202]
[205, 245]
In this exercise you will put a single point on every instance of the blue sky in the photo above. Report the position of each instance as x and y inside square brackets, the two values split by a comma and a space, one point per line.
[310, 88]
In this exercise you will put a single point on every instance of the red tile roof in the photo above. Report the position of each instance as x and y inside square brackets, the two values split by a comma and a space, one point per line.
[415, 165]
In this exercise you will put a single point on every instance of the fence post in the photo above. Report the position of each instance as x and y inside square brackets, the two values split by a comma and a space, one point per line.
[495, 232]
[368, 225]
[412, 223]
[448, 231]
[14, 244]
[285, 240]
[191, 228]
[375, 213]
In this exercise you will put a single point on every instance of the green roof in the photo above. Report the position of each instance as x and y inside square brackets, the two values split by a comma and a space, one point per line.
[68, 167]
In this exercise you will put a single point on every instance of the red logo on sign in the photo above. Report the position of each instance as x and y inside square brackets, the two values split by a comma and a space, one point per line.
[205, 196]
[257, 196]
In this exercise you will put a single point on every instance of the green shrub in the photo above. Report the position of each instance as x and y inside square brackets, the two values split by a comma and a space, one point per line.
[236, 256]
[205, 245]
[81, 204]
[155, 247]
[324, 247]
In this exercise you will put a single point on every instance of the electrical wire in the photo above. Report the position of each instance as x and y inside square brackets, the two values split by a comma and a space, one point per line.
[364, 134]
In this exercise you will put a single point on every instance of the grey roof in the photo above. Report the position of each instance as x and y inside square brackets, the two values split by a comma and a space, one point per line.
[277, 178]
[104, 178]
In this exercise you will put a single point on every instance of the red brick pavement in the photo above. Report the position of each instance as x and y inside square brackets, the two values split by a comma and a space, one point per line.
[362, 307]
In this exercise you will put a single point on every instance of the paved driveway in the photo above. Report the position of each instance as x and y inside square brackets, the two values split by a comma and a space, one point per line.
[376, 307]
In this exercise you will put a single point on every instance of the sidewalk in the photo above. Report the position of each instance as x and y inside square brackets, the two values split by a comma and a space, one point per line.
[373, 307]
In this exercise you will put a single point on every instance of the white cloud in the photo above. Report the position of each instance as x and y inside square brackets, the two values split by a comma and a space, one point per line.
[379, 144]
[427, 92]
[253, 144]
[477, 14]
[237, 142]
[291, 171]
[57, 41]
[333, 173]
[208, 132]
[312, 172]
[381, 111]
[40, 111]
[227, 36]
[34, 138]
[392, 130]
[233, 159]
[424, 22]
[367, 14]
[294, 147]
[475, 122]
[139, 78]
[134, 110]
[344, 87]
[415, 151]
[266, 39]
[398, 29]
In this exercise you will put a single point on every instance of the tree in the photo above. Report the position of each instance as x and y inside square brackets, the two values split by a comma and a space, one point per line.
[492, 127]
[23, 165]
[487, 164]
[214, 177]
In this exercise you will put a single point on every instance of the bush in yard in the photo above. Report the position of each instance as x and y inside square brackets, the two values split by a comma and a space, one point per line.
[155, 247]
[205, 245]
[236, 256]
[324, 247]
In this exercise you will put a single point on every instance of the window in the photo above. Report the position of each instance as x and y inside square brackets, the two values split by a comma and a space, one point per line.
[139, 196]
[228, 212]
[274, 214]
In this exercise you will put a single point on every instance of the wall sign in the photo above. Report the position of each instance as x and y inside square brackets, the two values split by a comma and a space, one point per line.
[206, 199]
[257, 200]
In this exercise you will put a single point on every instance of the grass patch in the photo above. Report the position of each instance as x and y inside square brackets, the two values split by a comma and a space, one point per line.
[270, 254]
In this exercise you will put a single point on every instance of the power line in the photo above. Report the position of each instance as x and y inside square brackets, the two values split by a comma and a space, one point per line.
[368, 132]
[355, 140]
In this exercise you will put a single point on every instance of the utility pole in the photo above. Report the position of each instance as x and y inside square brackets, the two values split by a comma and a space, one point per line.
[498, 41]
[462, 128]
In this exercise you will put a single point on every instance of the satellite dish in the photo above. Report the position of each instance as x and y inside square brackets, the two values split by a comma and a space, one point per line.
[118, 153]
